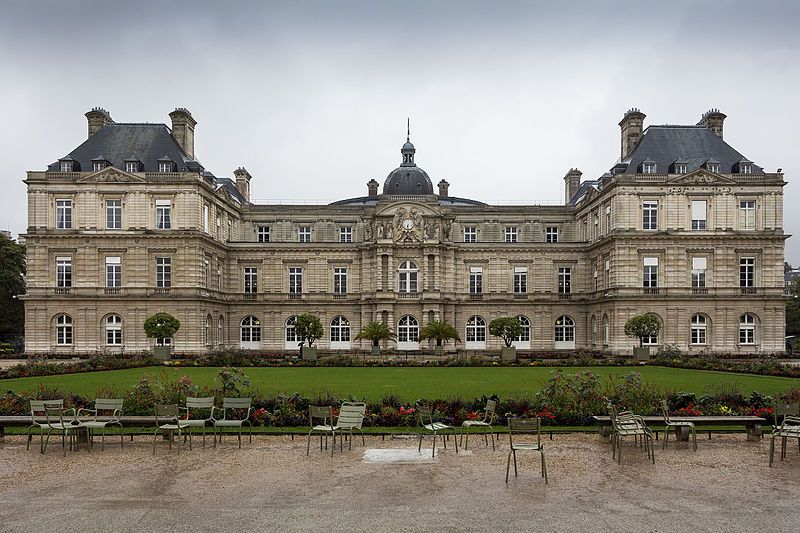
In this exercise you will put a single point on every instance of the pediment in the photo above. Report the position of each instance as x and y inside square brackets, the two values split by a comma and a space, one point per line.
[401, 207]
[111, 175]
[701, 177]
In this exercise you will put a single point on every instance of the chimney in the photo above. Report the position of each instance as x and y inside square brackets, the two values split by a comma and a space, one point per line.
[631, 130]
[443, 187]
[713, 120]
[372, 188]
[183, 129]
[243, 183]
[572, 182]
[97, 117]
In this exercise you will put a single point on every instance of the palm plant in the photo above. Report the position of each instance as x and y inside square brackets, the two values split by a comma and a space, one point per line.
[440, 331]
[375, 332]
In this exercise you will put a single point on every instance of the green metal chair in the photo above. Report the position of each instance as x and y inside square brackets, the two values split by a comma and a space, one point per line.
[671, 424]
[626, 424]
[789, 429]
[488, 419]
[204, 406]
[320, 419]
[108, 408]
[229, 407]
[781, 409]
[56, 422]
[525, 426]
[169, 413]
[425, 416]
[39, 421]
[351, 416]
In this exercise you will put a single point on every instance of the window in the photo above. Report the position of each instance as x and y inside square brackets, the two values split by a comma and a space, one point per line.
[221, 330]
[63, 214]
[470, 234]
[551, 234]
[680, 168]
[131, 166]
[113, 214]
[745, 168]
[163, 341]
[408, 330]
[163, 272]
[219, 226]
[747, 214]
[345, 234]
[712, 166]
[407, 277]
[650, 215]
[230, 230]
[205, 218]
[340, 280]
[263, 234]
[304, 234]
[290, 333]
[699, 329]
[98, 165]
[520, 280]
[113, 272]
[66, 166]
[476, 332]
[206, 274]
[747, 272]
[475, 280]
[63, 272]
[250, 280]
[565, 330]
[114, 330]
[525, 336]
[608, 219]
[564, 280]
[698, 214]
[650, 274]
[511, 234]
[340, 331]
[650, 340]
[593, 325]
[596, 279]
[607, 279]
[219, 275]
[699, 266]
[747, 329]
[163, 214]
[649, 167]
[207, 331]
[63, 330]
[250, 330]
[165, 166]
[606, 329]
[295, 280]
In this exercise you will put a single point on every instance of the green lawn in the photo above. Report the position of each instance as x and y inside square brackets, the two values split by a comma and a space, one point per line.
[408, 383]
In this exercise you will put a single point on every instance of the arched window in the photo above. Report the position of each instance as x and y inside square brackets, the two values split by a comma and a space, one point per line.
[524, 339]
[407, 277]
[250, 332]
[207, 330]
[699, 331]
[594, 329]
[340, 333]
[565, 333]
[408, 333]
[64, 330]
[113, 330]
[747, 329]
[606, 329]
[476, 332]
[221, 330]
[291, 340]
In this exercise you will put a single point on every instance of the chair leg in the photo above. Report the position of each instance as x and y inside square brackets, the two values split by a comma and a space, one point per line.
[508, 465]
[466, 443]
[771, 450]
[154, 441]
[694, 439]
[419, 448]
[491, 433]
[46, 441]
[455, 441]
[544, 467]
[215, 435]
[514, 453]
[28, 440]
[308, 447]
[433, 448]
[189, 431]
[333, 442]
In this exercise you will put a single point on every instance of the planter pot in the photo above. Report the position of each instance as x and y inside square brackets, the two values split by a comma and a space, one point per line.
[642, 354]
[376, 350]
[309, 353]
[508, 353]
[438, 350]
[162, 352]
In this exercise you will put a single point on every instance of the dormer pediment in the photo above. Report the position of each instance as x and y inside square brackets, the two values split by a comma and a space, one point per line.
[111, 175]
[701, 177]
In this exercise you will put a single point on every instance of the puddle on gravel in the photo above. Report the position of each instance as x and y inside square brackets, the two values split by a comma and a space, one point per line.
[397, 456]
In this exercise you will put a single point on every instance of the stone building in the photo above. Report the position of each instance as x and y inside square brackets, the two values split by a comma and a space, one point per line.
[130, 223]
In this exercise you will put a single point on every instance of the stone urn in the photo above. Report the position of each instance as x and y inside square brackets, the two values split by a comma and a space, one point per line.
[508, 353]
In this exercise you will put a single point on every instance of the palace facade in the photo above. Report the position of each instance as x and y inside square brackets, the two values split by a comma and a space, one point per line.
[130, 223]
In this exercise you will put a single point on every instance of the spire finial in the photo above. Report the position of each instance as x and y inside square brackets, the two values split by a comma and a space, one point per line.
[408, 130]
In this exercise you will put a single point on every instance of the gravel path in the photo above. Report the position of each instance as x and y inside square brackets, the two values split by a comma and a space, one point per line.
[270, 485]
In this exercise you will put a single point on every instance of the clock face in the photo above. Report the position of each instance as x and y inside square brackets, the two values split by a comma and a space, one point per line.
[408, 223]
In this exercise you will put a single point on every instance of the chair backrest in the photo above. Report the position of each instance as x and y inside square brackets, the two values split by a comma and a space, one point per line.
[108, 404]
[491, 408]
[351, 415]
[38, 406]
[782, 409]
[166, 411]
[318, 412]
[424, 414]
[525, 426]
[54, 414]
[665, 411]
[206, 402]
[236, 403]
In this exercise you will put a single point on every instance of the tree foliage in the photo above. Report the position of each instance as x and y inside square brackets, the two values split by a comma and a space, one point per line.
[507, 328]
[309, 328]
[642, 326]
[12, 283]
[161, 326]
[440, 331]
[375, 332]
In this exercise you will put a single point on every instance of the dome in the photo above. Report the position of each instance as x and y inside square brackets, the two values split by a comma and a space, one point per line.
[408, 180]
[408, 146]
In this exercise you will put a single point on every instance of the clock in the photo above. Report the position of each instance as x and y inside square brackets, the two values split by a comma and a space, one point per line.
[408, 223]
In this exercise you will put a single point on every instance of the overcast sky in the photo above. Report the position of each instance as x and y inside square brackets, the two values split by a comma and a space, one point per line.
[312, 97]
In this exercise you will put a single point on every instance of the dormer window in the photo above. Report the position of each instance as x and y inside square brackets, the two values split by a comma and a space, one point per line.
[132, 165]
[649, 166]
[66, 166]
[743, 166]
[680, 166]
[98, 165]
[165, 166]
[712, 165]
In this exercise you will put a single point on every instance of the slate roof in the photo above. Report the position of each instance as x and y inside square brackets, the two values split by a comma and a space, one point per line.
[230, 186]
[585, 187]
[372, 200]
[693, 145]
[120, 142]
[408, 179]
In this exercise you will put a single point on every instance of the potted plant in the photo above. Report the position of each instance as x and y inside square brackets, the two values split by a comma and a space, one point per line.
[641, 327]
[161, 326]
[507, 328]
[375, 332]
[309, 329]
[441, 332]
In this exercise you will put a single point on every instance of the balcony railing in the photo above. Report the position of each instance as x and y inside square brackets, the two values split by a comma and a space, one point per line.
[408, 295]
[565, 296]
[250, 296]
[476, 296]
[295, 295]
[520, 296]
[112, 291]
[651, 290]
[162, 290]
[339, 296]
[748, 290]
[699, 290]
[62, 290]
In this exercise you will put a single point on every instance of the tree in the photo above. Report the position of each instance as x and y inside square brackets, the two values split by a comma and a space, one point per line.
[12, 283]
[309, 328]
[507, 328]
[440, 331]
[161, 326]
[375, 332]
[642, 326]
[793, 308]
